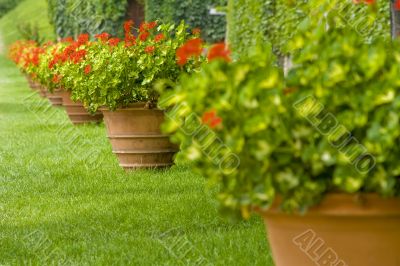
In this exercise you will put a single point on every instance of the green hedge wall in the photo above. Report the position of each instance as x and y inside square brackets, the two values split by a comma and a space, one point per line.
[194, 12]
[251, 22]
[72, 17]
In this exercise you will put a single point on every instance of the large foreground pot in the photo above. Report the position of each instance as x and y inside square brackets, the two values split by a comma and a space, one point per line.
[55, 97]
[76, 112]
[342, 230]
[136, 137]
[42, 91]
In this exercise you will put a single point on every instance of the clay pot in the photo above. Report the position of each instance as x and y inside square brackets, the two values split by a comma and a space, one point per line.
[136, 137]
[55, 97]
[343, 230]
[32, 84]
[42, 91]
[76, 112]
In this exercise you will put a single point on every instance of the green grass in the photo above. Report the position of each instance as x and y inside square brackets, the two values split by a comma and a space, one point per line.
[28, 11]
[55, 210]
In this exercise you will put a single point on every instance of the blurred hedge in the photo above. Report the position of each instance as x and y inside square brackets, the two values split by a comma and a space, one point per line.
[196, 13]
[72, 17]
[7, 5]
[251, 22]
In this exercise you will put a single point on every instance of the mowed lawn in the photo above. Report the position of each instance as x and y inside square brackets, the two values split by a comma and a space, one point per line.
[67, 202]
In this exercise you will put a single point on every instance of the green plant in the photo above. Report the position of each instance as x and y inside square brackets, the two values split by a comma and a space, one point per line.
[73, 17]
[330, 126]
[30, 31]
[114, 74]
[195, 13]
[254, 22]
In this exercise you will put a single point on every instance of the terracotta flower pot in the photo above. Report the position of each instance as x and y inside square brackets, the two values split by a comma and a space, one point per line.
[76, 112]
[55, 97]
[42, 91]
[343, 230]
[32, 84]
[136, 137]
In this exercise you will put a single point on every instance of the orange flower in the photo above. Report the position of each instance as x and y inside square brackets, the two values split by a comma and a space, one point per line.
[159, 37]
[88, 69]
[219, 51]
[149, 49]
[128, 26]
[144, 35]
[211, 119]
[191, 48]
[114, 41]
[103, 36]
[56, 78]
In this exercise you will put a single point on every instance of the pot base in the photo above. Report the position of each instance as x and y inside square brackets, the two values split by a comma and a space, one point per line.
[340, 231]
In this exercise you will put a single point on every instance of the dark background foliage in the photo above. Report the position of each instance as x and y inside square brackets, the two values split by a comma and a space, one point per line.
[196, 13]
[72, 17]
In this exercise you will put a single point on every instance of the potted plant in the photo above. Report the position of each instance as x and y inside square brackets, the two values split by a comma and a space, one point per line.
[118, 77]
[61, 70]
[314, 153]
[26, 54]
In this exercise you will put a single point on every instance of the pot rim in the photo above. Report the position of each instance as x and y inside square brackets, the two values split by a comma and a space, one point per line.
[343, 204]
[130, 107]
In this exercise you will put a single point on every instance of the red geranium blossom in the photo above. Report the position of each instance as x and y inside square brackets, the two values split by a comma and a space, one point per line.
[219, 51]
[56, 78]
[144, 35]
[128, 26]
[149, 49]
[88, 69]
[159, 37]
[114, 41]
[191, 48]
[211, 118]
[130, 40]
[83, 38]
[103, 36]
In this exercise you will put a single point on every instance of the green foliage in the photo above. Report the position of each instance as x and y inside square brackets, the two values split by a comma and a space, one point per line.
[330, 126]
[123, 75]
[7, 5]
[30, 31]
[195, 13]
[72, 17]
[253, 22]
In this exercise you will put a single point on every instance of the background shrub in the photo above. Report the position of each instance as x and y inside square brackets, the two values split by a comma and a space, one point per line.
[253, 21]
[195, 13]
[72, 17]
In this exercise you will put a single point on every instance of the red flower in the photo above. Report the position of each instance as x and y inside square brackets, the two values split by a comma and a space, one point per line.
[159, 37]
[103, 36]
[149, 49]
[83, 38]
[219, 51]
[56, 78]
[191, 48]
[68, 39]
[128, 26]
[88, 69]
[211, 119]
[147, 26]
[144, 35]
[196, 31]
[114, 41]
[367, 2]
[397, 5]
[130, 40]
